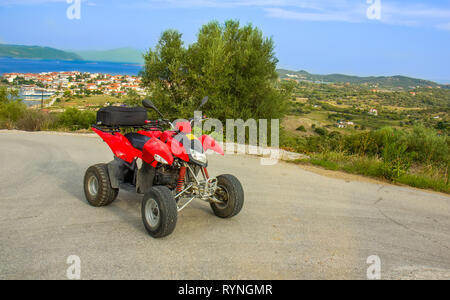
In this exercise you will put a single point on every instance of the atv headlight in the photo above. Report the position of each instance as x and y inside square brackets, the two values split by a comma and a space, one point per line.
[198, 156]
[160, 159]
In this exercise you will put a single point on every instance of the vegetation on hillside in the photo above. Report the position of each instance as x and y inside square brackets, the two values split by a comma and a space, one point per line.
[14, 114]
[383, 82]
[405, 141]
[419, 155]
[327, 105]
[36, 52]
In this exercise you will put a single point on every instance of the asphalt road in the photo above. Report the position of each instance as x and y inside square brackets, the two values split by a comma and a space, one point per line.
[295, 224]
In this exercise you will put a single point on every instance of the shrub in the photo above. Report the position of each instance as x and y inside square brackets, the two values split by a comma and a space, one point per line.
[396, 157]
[11, 107]
[329, 165]
[361, 144]
[321, 131]
[364, 165]
[12, 111]
[34, 120]
[422, 182]
[430, 147]
[301, 128]
[75, 119]
[387, 153]
[335, 134]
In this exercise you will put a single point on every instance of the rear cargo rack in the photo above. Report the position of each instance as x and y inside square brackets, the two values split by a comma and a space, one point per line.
[150, 126]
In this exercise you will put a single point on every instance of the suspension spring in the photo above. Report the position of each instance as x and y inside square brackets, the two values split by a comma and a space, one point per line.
[181, 177]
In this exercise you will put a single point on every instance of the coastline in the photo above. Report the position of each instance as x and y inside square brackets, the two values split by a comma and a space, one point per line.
[26, 65]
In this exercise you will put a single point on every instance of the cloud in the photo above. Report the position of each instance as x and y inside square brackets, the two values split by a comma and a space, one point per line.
[418, 15]
[393, 12]
[29, 2]
[306, 10]
[324, 11]
[445, 26]
[309, 16]
[36, 2]
[402, 13]
[237, 3]
[419, 11]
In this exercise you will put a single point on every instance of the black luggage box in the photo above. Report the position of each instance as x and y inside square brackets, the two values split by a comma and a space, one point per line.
[121, 116]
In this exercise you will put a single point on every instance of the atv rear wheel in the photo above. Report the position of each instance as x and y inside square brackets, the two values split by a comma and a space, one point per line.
[231, 194]
[159, 212]
[97, 186]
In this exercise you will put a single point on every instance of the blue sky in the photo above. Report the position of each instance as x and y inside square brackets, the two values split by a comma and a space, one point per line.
[323, 36]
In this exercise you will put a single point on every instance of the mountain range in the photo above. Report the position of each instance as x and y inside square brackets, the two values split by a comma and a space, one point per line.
[387, 82]
[127, 55]
[36, 52]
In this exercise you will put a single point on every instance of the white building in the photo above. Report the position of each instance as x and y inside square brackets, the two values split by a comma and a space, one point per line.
[373, 112]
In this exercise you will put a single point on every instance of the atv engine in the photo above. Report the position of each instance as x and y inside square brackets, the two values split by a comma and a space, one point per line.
[166, 175]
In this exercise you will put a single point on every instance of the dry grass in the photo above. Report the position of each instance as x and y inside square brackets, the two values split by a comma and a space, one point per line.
[95, 100]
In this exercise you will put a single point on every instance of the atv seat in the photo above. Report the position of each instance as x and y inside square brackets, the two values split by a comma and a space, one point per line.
[137, 140]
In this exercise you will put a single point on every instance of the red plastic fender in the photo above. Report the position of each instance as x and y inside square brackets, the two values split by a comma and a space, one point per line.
[119, 145]
[210, 143]
[152, 134]
[184, 127]
[177, 148]
[156, 147]
[166, 135]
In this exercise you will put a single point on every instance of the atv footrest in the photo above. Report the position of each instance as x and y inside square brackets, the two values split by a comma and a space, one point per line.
[128, 187]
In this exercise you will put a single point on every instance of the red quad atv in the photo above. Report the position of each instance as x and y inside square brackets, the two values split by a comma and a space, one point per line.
[168, 167]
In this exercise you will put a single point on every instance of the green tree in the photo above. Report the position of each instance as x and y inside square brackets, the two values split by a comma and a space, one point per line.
[321, 131]
[11, 107]
[235, 66]
[133, 98]
[164, 73]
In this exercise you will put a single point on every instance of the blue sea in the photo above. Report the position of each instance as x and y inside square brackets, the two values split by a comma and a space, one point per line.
[18, 65]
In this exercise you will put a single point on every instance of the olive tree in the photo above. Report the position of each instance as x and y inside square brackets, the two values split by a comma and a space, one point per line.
[235, 66]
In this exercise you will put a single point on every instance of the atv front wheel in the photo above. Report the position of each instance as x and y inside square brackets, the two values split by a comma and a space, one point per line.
[159, 212]
[97, 186]
[231, 195]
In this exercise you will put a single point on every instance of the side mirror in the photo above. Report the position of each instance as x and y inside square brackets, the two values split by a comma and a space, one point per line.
[148, 104]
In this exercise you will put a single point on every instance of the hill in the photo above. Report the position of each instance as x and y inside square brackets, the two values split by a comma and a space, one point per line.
[36, 52]
[115, 55]
[385, 82]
